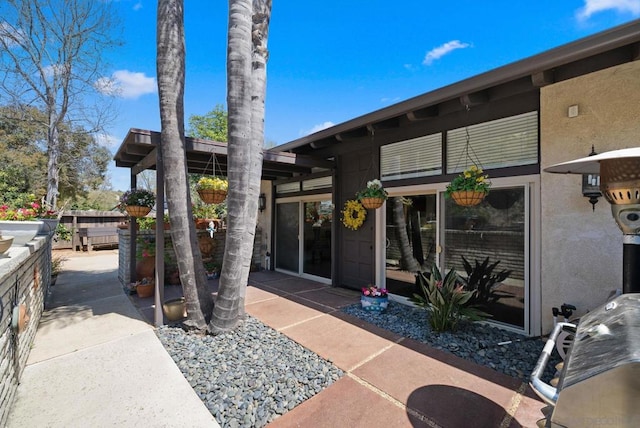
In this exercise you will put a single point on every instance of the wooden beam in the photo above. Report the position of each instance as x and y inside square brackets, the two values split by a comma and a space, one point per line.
[423, 113]
[148, 162]
[473, 99]
[542, 78]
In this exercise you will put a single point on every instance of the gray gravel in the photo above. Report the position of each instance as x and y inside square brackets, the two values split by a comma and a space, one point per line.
[477, 342]
[251, 376]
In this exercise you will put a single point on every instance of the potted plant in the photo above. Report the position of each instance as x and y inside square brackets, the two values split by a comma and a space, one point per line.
[374, 299]
[21, 223]
[373, 196]
[212, 190]
[145, 257]
[146, 287]
[137, 202]
[469, 188]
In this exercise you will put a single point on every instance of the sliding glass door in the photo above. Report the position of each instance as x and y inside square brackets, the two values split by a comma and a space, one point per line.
[303, 237]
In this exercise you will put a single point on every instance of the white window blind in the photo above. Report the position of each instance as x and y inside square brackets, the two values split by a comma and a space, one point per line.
[512, 141]
[288, 187]
[418, 157]
[317, 183]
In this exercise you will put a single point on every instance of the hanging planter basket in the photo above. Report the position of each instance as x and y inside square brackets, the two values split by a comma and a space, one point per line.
[137, 210]
[372, 203]
[210, 196]
[467, 198]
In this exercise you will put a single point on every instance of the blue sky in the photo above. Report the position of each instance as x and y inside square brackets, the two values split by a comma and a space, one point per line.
[333, 60]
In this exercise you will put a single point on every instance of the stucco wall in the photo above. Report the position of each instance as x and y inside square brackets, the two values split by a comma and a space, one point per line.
[582, 250]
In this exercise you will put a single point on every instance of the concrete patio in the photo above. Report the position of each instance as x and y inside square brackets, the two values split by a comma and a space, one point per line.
[86, 369]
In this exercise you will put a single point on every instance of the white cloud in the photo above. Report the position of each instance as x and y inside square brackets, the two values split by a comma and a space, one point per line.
[107, 140]
[388, 100]
[317, 128]
[594, 6]
[440, 51]
[127, 84]
[137, 6]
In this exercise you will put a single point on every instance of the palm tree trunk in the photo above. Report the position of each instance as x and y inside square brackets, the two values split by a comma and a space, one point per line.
[246, 81]
[171, 76]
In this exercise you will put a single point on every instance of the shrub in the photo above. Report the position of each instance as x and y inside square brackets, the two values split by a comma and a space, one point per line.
[445, 299]
[481, 280]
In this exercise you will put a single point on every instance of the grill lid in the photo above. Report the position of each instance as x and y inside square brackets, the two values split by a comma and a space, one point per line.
[606, 338]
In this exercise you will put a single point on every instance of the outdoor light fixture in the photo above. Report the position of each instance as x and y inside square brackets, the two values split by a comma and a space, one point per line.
[591, 185]
[262, 202]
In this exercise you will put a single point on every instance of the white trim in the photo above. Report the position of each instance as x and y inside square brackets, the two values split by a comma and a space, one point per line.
[532, 288]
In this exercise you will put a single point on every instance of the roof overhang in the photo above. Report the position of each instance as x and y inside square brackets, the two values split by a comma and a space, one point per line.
[138, 152]
[615, 46]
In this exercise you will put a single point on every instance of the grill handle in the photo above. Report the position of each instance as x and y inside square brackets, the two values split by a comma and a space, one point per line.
[548, 393]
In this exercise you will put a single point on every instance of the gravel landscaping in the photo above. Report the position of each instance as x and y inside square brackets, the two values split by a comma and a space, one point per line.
[508, 352]
[251, 376]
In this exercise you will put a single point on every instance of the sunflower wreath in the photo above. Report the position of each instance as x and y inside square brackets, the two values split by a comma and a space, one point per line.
[353, 214]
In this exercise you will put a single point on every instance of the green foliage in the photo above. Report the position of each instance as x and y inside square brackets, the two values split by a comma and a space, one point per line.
[137, 197]
[211, 126]
[482, 281]
[82, 164]
[62, 233]
[56, 264]
[471, 179]
[445, 299]
[374, 189]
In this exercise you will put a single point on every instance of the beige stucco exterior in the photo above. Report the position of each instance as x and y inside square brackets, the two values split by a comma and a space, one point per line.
[581, 260]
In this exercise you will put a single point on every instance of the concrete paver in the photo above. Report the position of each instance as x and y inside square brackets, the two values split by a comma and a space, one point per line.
[96, 362]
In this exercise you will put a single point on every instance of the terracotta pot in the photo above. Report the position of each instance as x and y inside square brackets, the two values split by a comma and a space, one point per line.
[145, 268]
[146, 290]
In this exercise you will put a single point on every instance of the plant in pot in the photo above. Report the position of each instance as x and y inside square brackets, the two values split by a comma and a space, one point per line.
[21, 223]
[137, 202]
[212, 190]
[469, 188]
[212, 269]
[374, 299]
[373, 196]
[145, 257]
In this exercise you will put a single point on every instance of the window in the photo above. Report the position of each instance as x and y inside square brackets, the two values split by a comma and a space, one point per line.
[418, 157]
[512, 141]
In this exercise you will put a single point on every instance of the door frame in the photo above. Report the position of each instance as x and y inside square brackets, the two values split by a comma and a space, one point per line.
[301, 200]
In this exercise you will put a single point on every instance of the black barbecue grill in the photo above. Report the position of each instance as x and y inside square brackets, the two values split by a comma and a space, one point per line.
[599, 383]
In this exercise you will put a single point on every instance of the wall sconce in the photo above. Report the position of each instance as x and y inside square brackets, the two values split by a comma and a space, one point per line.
[262, 202]
[591, 185]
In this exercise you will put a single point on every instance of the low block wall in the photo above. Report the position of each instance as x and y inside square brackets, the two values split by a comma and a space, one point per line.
[25, 277]
[212, 250]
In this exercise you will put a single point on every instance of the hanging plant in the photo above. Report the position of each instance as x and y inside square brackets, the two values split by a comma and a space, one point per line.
[212, 190]
[469, 188]
[373, 196]
[353, 214]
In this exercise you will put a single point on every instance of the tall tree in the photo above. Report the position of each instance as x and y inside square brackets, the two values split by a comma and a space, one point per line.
[23, 157]
[211, 126]
[171, 79]
[51, 56]
[246, 85]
